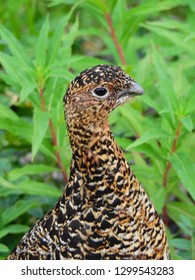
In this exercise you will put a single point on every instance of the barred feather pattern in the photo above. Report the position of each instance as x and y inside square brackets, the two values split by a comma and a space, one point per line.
[103, 212]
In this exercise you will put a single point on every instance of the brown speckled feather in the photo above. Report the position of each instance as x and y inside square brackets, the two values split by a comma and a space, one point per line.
[103, 213]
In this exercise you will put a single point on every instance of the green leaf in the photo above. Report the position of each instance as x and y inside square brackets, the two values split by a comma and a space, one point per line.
[174, 37]
[32, 187]
[18, 127]
[6, 112]
[4, 192]
[101, 5]
[40, 121]
[3, 248]
[60, 73]
[38, 188]
[185, 171]
[151, 8]
[42, 45]
[16, 210]
[57, 37]
[10, 65]
[133, 116]
[15, 47]
[14, 229]
[69, 40]
[151, 102]
[57, 2]
[169, 24]
[149, 135]
[178, 210]
[187, 122]
[24, 129]
[30, 170]
[164, 85]
[27, 89]
[158, 198]
[181, 243]
[189, 102]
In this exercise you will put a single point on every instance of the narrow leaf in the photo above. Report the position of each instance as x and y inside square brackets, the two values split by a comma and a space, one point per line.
[32, 187]
[15, 47]
[158, 198]
[70, 37]
[187, 122]
[133, 116]
[151, 102]
[24, 129]
[27, 89]
[42, 45]
[16, 228]
[38, 188]
[40, 121]
[60, 73]
[3, 248]
[165, 87]
[181, 243]
[58, 34]
[174, 37]
[189, 102]
[185, 171]
[148, 136]
[6, 112]
[31, 169]
[57, 37]
[16, 210]
[151, 8]
[10, 67]
[179, 210]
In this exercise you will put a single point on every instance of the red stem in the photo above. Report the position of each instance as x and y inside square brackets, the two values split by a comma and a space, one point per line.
[41, 91]
[168, 168]
[54, 138]
[173, 149]
[114, 38]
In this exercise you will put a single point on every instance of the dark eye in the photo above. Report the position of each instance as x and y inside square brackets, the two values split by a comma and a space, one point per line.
[100, 92]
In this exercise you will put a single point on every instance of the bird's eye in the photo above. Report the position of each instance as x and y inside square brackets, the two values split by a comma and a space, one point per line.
[100, 92]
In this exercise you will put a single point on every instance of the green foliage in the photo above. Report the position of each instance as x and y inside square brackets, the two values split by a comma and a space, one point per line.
[42, 47]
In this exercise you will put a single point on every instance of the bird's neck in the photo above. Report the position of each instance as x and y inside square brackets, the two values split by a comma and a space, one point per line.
[99, 171]
[86, 128]
[88, 139]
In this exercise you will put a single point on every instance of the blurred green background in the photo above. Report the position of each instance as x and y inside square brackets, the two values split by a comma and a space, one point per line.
[43, 46]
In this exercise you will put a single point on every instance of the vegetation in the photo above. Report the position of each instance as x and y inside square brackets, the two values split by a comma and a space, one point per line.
[43, 46]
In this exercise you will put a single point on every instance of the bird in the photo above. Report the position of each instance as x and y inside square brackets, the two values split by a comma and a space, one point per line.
[103, 213]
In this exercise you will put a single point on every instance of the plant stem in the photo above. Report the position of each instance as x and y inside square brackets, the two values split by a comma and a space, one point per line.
[53, 137]
[173, 149]
[41, 91]
[168, 168]
[114, 38]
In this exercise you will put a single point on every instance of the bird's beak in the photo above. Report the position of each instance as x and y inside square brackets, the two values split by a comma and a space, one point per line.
[133, 90]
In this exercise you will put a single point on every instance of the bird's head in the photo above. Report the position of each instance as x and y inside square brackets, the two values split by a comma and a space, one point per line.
[95, 92]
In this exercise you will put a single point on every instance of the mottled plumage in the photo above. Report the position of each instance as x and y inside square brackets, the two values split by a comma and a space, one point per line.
[103, 213]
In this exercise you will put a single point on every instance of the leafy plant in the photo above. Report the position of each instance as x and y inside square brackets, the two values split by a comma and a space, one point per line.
[43, 53]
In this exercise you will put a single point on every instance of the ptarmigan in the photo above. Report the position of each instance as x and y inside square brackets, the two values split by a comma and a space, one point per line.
[103, 212]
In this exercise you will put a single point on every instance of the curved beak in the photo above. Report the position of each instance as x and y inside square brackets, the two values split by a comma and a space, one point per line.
[133, 90]
[136, 89]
